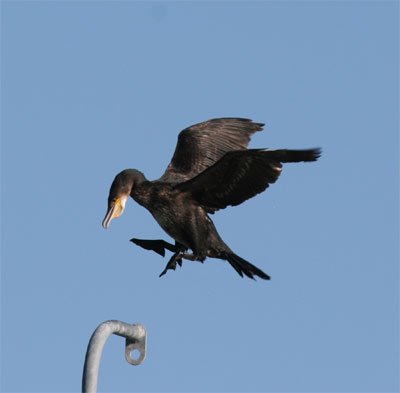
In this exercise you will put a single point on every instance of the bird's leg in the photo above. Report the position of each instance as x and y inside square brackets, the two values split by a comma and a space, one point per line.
[176, 258]
[182, 248]
[193, 257]
[157, 246]
[171, 265]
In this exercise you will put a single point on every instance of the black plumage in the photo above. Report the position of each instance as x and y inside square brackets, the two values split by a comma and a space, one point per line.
[210, 170]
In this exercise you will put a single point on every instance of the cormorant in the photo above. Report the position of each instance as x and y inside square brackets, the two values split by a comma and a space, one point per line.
[210, 170]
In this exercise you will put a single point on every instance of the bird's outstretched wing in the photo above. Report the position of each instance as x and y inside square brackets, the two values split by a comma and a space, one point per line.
[203, 144]
[240, 175]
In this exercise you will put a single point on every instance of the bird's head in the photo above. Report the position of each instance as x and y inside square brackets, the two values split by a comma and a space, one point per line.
[120, 190]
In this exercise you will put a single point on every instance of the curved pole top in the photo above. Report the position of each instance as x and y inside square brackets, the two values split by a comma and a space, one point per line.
[135, 340]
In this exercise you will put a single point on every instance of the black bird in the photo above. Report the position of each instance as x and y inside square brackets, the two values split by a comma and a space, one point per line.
[210, 170]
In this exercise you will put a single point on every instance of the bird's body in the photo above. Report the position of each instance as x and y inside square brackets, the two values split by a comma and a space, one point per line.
[211, 169]
[175, 212]
[180, 217]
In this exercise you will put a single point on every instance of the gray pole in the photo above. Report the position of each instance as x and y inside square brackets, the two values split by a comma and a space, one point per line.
[135, 340]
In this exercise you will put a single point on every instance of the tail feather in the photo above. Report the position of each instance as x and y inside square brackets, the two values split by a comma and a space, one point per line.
[243, 267]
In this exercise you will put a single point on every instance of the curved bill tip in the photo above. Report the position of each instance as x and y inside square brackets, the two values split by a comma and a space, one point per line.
[109, 216]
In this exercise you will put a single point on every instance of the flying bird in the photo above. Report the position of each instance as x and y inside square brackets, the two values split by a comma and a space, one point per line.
[211, 169]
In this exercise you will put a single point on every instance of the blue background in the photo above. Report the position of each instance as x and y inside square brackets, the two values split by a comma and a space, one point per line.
[91, 88]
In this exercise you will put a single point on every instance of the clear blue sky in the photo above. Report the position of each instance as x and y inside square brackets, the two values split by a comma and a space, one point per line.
[91, 88]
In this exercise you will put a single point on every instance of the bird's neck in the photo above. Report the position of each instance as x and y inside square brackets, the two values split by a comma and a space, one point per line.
[137, 183]
[141, 192]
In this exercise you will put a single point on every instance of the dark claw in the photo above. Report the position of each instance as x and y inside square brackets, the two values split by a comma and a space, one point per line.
[165, 271]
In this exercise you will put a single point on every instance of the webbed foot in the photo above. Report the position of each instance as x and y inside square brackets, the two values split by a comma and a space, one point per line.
[157, 246]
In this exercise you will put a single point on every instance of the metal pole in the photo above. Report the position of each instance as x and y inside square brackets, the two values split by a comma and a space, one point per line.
[135, 340]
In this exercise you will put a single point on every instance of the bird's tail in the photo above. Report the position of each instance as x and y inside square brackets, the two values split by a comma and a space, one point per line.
[285, 155]
[244, 267]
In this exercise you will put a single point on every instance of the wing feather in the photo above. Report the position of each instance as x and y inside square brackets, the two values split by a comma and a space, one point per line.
[202, 145]
[240, 175]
